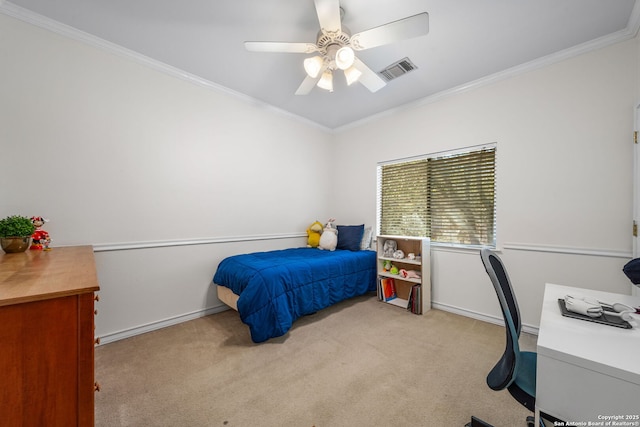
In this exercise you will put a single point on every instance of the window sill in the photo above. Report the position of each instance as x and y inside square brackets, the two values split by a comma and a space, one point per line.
[464, 249]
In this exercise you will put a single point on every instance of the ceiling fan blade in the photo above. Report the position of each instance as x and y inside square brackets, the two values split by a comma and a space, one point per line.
[280, 47]
[407, 28]
[309, 82]
[307, 85]
[369, 78]
[329, 15]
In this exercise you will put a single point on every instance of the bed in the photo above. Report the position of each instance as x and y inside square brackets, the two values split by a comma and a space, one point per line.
[270, 290]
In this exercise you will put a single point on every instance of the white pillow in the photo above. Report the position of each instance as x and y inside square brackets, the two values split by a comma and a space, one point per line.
[366, 238]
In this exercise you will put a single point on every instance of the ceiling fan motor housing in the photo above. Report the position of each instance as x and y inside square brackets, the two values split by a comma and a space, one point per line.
[329, 42]
[327, 38]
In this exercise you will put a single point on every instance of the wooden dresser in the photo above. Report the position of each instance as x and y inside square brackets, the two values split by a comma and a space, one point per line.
[47, 337]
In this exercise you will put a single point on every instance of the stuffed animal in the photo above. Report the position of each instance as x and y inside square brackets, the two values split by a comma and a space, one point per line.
[40, 238]
[313, 232]
[409, 274]
[389, 248]
[329, 238]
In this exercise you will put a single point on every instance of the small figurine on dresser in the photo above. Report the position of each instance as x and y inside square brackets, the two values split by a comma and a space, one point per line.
[40, 238]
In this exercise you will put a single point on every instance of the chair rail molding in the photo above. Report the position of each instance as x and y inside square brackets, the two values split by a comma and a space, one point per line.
[106, 247]
[568, 250]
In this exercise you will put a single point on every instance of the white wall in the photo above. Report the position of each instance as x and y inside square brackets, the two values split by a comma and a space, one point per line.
[116, 152]
[564, 175]
[112, 151]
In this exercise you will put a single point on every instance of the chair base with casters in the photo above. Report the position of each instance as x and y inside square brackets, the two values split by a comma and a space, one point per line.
[531, 421]
[476, 422]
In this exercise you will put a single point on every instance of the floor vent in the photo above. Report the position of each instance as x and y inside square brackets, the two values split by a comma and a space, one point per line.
[398, 69]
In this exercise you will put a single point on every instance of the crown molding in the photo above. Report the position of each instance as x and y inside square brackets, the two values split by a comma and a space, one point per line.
[631, 30]
[633, 25]
[25, 15]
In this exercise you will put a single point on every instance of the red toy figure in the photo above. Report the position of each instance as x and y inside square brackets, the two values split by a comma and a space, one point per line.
[41, 239]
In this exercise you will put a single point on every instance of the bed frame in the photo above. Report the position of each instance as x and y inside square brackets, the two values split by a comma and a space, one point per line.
[275, 288]
[227, 296]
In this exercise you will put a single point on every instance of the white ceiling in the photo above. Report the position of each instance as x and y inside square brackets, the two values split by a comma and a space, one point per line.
[468, 40]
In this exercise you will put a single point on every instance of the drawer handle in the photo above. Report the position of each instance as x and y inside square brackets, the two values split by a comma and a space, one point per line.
[95, 312]
[96, 297]
[96, 386]
[97, 341]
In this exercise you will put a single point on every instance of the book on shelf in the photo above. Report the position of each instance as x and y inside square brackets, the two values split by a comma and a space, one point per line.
[388, 288]
[415, 299]
[411, 300]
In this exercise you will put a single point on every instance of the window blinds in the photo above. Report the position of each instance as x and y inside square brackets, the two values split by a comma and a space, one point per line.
[449, 198]
[403, 199]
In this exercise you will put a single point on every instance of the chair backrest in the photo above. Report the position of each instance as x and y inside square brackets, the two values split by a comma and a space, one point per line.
[503, 373]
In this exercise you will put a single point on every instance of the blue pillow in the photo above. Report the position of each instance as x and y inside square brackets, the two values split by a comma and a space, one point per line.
[350, 237]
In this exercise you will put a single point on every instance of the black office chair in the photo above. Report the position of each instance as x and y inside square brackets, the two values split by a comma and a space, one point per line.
[516, 370]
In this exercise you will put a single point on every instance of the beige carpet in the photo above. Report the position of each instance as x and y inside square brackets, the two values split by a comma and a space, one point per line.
[359, 363]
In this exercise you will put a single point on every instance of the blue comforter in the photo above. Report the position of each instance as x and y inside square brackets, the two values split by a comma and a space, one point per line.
[277, 287]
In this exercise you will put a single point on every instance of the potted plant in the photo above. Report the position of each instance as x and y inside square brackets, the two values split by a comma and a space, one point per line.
[15, 233]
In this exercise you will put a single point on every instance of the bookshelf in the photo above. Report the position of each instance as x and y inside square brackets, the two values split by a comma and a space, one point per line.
[409, 276]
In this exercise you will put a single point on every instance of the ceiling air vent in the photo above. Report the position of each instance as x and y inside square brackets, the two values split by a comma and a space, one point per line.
[398, 69]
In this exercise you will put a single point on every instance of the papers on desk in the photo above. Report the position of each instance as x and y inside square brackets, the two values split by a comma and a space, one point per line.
[603, 319]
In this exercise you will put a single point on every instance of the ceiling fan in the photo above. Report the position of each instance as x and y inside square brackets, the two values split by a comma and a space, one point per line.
[335, 46]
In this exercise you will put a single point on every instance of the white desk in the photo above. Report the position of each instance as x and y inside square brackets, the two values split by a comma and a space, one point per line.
[587, 371]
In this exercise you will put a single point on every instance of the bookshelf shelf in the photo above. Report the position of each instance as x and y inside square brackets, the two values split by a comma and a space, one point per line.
[395, 276]
[404, 261]
[410, 286]
[400, 302]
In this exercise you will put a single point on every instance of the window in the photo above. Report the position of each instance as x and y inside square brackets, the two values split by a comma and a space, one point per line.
[449, 197]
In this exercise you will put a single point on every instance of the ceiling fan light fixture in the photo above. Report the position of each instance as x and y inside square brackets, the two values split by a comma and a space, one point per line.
[335, 45]
[352, 74]
[313, 66]
[326, 81]
[345, 57]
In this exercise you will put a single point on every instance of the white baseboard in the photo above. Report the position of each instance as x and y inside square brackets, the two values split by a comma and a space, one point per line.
[131, 332]
[479, 316]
